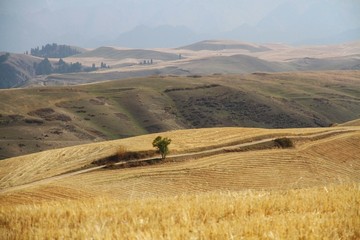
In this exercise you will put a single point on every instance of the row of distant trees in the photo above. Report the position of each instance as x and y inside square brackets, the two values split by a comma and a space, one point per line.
[45, 67]
[146, 62]
[54, 51]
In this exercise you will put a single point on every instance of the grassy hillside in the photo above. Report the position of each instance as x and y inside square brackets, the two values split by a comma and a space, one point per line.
[113, 53]
[240, 63]
[54, 162]
[355, 122]
[234, 65]
[335, 63]
[36, 119]
[315, 160]
[308, 191]
[16, 69]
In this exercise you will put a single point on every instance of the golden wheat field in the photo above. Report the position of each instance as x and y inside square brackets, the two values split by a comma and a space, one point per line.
[33, 167]
[310, 191]
[316, 213]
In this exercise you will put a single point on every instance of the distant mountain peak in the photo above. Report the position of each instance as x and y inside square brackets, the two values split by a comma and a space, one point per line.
[155, 37]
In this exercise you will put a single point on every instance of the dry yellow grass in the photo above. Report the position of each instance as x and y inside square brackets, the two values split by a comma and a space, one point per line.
[203, 198]
[34, 167]
[330, 160]
[331, 212]
[355, 122]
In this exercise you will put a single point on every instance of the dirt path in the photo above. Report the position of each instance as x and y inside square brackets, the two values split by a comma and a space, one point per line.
[202, 153]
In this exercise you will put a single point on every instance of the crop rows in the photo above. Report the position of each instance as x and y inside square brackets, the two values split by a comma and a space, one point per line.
[315, 162]
[267, 169]
[29, 168]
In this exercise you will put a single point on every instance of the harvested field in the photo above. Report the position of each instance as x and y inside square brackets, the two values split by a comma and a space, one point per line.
[330, 157]
[295, 192]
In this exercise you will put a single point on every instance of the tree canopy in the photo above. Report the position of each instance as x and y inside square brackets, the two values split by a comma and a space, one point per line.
[162, 145]
[54, 51]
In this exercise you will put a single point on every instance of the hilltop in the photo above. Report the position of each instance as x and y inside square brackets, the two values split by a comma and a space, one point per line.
[120, 54]
[37, 119]
[220, 45]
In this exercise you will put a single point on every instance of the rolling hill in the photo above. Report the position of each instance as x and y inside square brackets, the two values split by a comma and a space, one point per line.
[219, 45]
[234, 64]
[201, 58]
[118, 54]
[265, 186]
[265, 142]
[321, 155]
[16, 69]
[37, 119]
[351, 62]
[218, 64]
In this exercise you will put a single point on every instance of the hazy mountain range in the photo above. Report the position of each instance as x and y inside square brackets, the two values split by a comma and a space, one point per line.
[145, 24]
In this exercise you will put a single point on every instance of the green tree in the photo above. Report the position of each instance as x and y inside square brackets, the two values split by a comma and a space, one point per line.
[162, 145]
[44, 67]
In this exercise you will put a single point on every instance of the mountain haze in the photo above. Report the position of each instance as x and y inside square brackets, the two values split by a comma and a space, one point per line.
[143, 24]
[200, 58]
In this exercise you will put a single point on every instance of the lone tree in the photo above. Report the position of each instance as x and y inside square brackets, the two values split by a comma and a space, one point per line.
[162, 145]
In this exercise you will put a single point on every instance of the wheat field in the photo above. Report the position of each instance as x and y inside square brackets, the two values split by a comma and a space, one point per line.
[310, 191]
[316, 213]
[34, 167]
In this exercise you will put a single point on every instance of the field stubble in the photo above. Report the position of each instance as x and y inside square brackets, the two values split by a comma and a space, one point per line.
[55, 162]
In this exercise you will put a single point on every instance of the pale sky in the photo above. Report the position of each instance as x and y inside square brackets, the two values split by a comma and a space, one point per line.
[26, 24]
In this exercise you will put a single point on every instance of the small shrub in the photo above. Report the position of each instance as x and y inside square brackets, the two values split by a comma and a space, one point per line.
[123, 155]
[194, 76]
[284, 142]
[121, 150]
[62, 117]
[33, 121]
